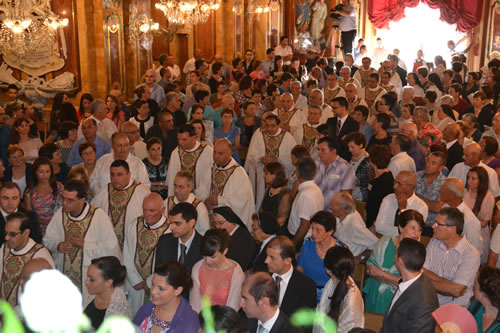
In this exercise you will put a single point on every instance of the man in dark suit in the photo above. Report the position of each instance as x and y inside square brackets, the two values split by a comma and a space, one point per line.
[398, 69]
[264, 229]
[183, 244]
[455, 149]
[10, 200]
[259, 301]
[297, 291]
[341, 125]
[415, 299]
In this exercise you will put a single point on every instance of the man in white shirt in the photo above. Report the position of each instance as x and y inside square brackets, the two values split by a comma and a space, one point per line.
[157, 92]
[121, 199]
[299, 100]
[400, 160]
[190, 155]
[189, 65]
[137, 147]
[284, 50]
[183, 192]
[121, 151]
[472, 158]
[105, 126]
[452, 194]
[403, 198]
[307, 202]
[259, 301]
[351, 229]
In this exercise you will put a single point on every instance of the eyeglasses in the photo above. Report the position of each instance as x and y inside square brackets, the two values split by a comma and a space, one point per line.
[436, 224]
[12, 234]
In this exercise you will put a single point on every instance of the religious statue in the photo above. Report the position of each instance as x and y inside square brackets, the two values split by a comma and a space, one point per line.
[318, 20]
[302, 15]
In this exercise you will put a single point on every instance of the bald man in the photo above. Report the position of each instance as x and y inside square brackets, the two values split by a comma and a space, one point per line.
[291, 118]
[452, 194]
[416, 150]
[157, 92]
[226, 183]
[472, 158]
[403, 198]
[35, 265]
[139, 250]
[455, 150]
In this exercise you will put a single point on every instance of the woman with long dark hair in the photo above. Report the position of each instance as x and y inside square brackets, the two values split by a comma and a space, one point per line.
[277, 199]
[480, 200]
[42, 195]
[486, 305]
[435, 85]
[115, 112]
[341, 299]
[29, 143]
[84, 108]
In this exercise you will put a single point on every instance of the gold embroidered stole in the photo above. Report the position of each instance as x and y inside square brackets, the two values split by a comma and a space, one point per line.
[12, 268]
[117, 210]
[190, 158]
[285, 116]
[273, 143]
[331, 94]
[220, 178]
[147, 240]
[388, 87]
[365, 75]
[352, 105]
[370, 96]
[171, 203]
[309, 136]
[343, 83]
[73, 262]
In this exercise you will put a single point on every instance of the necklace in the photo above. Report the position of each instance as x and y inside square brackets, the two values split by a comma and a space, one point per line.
[163, 324]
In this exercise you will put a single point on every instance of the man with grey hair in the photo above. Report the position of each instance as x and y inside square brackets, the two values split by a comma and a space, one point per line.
[403, 198]
[137, 147]
[472, 158]
[173, 105]
[351, 229]
[290, 117]
[451, 133]
[345, 78]
[317, 98]
[400, 160]
[416, 150]
[105, 126]
[452, 195]
[451, 262]
[300, 101]
[89, 130]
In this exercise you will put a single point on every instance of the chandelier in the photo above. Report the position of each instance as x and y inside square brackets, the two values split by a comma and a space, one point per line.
[27, 26]
[187, 11]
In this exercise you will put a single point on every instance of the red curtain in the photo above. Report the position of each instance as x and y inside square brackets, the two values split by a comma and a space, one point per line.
[466, 14]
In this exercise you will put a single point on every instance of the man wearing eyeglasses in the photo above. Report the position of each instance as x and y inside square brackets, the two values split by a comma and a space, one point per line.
[157, 92]
[451, 262]
[10, 201]
[21, 250]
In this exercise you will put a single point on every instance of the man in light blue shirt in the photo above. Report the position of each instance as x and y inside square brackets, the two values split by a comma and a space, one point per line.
[268, 63]
[89, 130]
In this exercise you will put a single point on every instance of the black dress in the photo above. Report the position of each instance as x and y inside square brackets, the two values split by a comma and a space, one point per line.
[242, 248]
[271, 204]
[95, 315]
[157, 173]
[378, 189]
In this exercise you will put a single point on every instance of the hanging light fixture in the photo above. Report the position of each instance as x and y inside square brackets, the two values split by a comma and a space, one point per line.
[140, 25]
[187, 12]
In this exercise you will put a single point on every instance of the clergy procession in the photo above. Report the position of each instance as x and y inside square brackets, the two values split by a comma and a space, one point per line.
[359, 189]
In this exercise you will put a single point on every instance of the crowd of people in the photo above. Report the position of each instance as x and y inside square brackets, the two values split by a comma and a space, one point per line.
[262, 185]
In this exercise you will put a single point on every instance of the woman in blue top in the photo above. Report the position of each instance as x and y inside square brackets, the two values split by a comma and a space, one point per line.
[486, 304]
[229, 131]
[313, 251]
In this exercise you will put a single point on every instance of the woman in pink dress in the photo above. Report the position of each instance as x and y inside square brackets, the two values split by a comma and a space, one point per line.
[216, 276]
[43, 193]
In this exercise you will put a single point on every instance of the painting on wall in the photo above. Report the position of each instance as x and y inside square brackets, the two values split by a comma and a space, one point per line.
[494, 32]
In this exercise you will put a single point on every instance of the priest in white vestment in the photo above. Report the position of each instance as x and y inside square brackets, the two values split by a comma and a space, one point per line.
[316, 98]
[139, 250]
[372, 93]
[226, 184]
[121, 151]
[78, 233]
[183, 192]
[290, 117]
[121, 199]
[307, 134]
[17, 250]
[190, 155]
[274, 144]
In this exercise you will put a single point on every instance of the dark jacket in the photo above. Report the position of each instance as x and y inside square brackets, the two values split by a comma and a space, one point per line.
[300, 293]
[455, 155]
[167, 247]
[412, 311]
[242, 248]
[349, 126]
[281, 325]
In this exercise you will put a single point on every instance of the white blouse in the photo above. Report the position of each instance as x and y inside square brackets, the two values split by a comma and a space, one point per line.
[352, 307]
